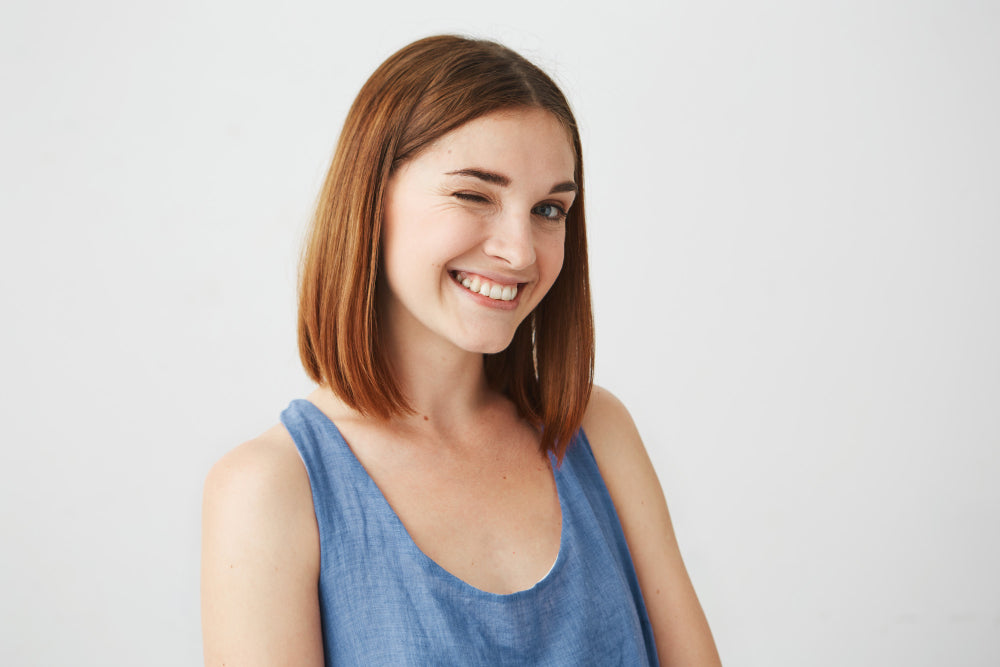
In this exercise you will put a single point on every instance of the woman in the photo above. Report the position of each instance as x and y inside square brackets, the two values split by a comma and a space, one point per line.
[452, 491]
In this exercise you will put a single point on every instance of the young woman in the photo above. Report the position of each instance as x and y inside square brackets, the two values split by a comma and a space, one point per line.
[454, 491]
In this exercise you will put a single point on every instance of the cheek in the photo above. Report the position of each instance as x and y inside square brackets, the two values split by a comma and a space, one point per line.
[400, 259]
[551, 253]
[404, 232]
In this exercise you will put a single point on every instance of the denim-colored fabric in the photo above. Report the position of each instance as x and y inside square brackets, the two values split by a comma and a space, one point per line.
[385, 602]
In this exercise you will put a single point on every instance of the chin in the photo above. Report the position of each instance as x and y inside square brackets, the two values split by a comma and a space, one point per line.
[491, 345]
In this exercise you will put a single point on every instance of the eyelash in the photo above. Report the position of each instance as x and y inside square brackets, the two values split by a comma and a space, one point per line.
[479, 199]
[560, 212]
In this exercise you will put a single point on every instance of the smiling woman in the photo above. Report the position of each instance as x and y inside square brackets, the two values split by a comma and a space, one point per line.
[454, 491]
[499, 227]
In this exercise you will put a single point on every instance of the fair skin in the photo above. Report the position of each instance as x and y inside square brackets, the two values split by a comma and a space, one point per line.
[483, 205]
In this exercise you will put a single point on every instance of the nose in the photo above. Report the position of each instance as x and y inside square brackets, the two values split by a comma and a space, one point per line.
[511, 239]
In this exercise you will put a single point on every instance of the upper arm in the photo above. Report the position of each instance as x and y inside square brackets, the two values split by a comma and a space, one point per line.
[260, 558]
[679, 625]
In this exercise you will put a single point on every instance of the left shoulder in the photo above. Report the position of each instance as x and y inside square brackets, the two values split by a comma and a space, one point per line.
[616, 444]
[605, 411]
[679, 625]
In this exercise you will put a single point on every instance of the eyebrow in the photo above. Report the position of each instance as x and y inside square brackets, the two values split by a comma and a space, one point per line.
[504, 181]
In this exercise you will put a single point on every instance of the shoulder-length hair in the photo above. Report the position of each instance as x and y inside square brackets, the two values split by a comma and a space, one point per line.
[420, 93]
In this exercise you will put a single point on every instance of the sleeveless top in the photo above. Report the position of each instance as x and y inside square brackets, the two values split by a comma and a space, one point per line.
[384, 602]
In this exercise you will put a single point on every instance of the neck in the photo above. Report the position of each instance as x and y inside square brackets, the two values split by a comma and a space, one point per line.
[444, 385]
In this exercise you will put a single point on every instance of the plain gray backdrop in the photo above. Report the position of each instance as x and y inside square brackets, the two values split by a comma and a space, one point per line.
[794, 219]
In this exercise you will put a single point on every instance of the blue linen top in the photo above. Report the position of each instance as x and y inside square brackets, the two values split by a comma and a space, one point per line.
[384, 602]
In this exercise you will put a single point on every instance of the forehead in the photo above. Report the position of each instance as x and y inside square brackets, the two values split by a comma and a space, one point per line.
[532, 143]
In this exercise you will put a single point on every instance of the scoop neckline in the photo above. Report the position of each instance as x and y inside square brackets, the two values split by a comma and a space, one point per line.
[431, 564]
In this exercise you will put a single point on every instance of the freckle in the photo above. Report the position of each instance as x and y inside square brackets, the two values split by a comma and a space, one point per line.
[657, 591]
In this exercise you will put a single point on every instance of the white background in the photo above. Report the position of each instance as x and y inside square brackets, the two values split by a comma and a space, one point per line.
[794, 216]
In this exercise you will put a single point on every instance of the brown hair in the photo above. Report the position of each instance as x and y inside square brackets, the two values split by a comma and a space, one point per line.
[420, 93]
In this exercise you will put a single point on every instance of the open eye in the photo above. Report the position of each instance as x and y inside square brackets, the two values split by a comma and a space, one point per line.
[552, 212]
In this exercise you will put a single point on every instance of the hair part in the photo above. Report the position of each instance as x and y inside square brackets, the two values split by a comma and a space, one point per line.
[418, 95]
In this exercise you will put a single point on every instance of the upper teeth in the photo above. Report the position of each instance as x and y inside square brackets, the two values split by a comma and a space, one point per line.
[486, 288]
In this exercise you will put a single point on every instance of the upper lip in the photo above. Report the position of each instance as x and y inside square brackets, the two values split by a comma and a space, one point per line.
[495, 277]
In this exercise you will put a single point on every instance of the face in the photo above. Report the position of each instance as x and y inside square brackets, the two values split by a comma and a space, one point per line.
[474, 231]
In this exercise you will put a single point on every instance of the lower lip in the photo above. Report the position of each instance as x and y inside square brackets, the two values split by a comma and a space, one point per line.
[496, 304]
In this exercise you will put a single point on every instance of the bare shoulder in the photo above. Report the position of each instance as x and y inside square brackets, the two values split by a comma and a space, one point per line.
[259, 493]
[268, 464]
[627, 472]
[615, 440]
[260, 485]
[260, 557]
[606, 415]
[679, 625]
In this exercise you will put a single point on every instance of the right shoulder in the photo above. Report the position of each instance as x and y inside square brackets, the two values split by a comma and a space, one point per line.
[270, 463]
[261, 487]
[260, 555]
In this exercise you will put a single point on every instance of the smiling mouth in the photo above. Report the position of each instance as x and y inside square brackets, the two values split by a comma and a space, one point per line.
[478, 285]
